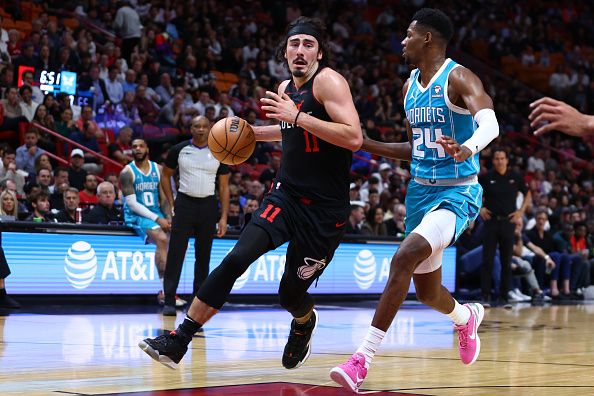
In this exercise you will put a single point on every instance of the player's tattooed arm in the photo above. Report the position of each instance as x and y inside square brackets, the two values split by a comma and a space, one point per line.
[127, 182]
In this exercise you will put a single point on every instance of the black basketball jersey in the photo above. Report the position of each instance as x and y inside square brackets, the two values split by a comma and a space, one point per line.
[311, 167]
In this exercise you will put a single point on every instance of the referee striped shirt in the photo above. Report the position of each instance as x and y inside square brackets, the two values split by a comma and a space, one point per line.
[198, 169]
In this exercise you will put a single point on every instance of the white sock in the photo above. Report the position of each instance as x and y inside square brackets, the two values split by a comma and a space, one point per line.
[371, 343]
[460, 315]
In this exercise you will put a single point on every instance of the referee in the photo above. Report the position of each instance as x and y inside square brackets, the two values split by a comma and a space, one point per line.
[500, 191]
[195, 211]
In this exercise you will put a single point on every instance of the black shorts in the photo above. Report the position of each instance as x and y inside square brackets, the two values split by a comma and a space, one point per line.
[313, 231]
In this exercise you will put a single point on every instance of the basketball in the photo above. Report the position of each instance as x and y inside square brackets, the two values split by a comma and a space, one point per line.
[231, 140]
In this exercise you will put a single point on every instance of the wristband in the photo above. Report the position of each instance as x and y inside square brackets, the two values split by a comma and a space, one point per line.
[297, 116]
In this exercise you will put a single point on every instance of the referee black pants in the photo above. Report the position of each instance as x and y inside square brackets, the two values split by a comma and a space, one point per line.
[193, 217]
[500, 231]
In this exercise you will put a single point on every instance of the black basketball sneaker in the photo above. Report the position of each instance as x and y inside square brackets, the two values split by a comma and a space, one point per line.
[298, 346]
[167, 349]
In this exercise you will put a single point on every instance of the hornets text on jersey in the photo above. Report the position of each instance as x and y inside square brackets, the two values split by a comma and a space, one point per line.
[146, 188]
[431, 115]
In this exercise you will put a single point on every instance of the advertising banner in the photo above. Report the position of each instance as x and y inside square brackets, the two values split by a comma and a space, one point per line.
[45, 263]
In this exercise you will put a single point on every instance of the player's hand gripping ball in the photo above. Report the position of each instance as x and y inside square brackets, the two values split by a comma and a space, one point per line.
[231, 140]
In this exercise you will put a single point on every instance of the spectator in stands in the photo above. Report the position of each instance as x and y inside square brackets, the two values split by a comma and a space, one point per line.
[44, 179]
[52, 106]
[57, 189]
[355, 220]
[46, 120]
[9, 204]
[150, 92]
[224, 103]
[559, 82]
[234, 217]
[10, 171]
[203, 101]
[28, 107]
[130, 111]
[176, 114]
[577, 266]
[41, 208]
[28, 152]
[127, 25]
[91, 129]
[114, 88]
[544, 239]
[374, 222]
[44, 62]
[146, 108]
[120, 150]
[129, 84]
[6, 79]
[270, 172]
[70, 205]
[165, 90]
[92, 82]
[105, 212]
[249, 208]
[36, 94]
[66, 125]
[43, 162]
[114, 179]
[525, 252]
[76, 173]
[4, 55]
[89, 195]
[395, 225]
[11, 113]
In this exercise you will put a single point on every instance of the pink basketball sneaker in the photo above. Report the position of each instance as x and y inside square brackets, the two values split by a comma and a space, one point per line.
[470, 343]
[350, 375]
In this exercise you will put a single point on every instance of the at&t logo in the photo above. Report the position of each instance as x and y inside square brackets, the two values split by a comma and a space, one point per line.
[80, 265]
[366, 271]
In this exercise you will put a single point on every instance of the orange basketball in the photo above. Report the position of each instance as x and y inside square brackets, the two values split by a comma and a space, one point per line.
[231, 140]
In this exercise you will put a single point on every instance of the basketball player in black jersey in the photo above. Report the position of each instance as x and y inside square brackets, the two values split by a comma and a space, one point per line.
[308, 204]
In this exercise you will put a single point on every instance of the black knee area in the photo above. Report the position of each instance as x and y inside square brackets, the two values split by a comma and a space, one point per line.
[296, 305]
[253, 243]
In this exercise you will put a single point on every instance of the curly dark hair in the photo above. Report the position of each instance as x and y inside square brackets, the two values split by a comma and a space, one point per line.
[317, 25]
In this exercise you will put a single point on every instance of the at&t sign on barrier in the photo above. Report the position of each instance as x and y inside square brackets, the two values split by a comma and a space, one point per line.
[109, 264]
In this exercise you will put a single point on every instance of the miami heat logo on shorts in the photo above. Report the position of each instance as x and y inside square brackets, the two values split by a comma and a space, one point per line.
[310, 268]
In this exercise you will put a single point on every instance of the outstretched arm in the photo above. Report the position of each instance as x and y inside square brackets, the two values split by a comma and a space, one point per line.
[552, 115]
[400, 151]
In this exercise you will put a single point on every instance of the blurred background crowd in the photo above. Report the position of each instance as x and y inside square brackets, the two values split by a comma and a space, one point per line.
[100, 72]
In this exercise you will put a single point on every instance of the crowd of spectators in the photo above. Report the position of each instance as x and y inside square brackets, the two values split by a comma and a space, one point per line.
[150, 66]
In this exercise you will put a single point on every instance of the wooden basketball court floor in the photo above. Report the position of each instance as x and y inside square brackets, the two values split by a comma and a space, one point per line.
[525, 351]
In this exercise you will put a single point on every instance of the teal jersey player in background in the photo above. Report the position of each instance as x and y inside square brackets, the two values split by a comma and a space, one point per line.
[141, 187]
[445, 104]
